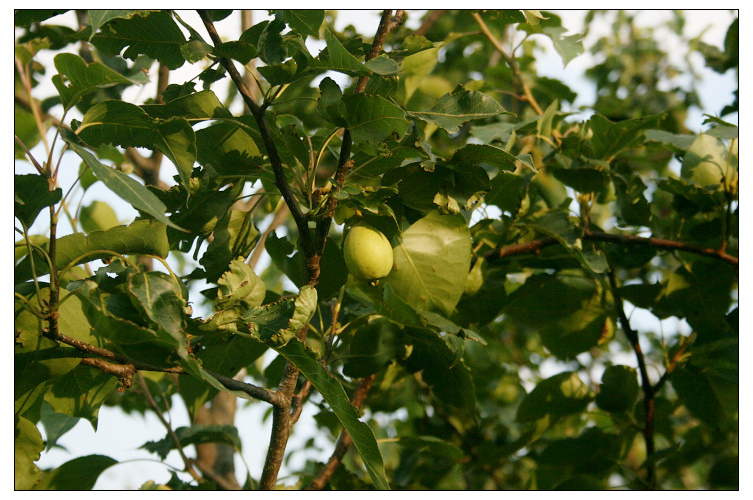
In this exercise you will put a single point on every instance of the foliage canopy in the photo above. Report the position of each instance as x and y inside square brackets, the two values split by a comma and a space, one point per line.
[501, 350]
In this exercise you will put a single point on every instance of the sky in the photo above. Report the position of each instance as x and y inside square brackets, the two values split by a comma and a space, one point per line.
[119, 437]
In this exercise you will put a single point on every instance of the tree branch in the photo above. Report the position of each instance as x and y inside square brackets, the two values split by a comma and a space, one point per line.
[178, 446]
[343, 442]
[345, 164]
[429, 21]
[259, 114]
[648, 389]
[510, 62]
[125, 367]
[620, 239]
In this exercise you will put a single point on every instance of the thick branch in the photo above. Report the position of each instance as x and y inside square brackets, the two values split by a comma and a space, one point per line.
[620, 239]
[343, 442]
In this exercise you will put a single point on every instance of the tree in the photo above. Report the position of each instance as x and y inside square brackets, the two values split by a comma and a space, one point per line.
[500, 351]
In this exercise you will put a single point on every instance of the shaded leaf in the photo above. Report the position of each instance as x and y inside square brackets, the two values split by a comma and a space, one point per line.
[458, 107]
[560, 395]
[33, 195]
[78, 474]
[152, 33]
[373, 118]
[619, 389]
[196, 434]
[127, 125]
[81, 392]
[333, 393]
[76, 78]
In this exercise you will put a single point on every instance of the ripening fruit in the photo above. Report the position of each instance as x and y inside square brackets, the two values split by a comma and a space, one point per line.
[367, 252]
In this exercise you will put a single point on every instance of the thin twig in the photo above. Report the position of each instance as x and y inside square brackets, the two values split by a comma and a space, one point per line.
[431, 18]
[620, 239]
[343, 442]
[673, 362]
[510, 62]
[259, 114]
[648, 389]
[170, 432]
[122, 365]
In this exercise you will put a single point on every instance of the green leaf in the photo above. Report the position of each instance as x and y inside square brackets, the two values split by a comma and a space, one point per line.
[81, 392]
[97, 216]
[196, 434]
[609, 139]
[277, 323]
[100, 17]
[76, 78]
[152, 33]
[332, 392]
[230, 147]
[568, 47]
[339, 57]
[27, 446]
[382, 65]
[439, 361]
[194, 107]
[416, 66]
[39, 357]
[560, 395]
[373, 346]
[240, 285]
[431, 262]
[142, 237]
[234, 235]
[485, 154]
[125, 187]
[127, 125]
[708, 163]
[619, 389]
[160, 297]
[373, 119]
[78, 474]
[55, 425]
[33, 195]
[305, 21]
[458, 107]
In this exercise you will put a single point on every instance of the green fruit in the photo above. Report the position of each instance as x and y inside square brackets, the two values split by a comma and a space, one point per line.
[707, 163]
[367, 252]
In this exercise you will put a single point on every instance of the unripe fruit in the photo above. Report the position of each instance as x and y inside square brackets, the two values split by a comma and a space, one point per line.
[367, 252]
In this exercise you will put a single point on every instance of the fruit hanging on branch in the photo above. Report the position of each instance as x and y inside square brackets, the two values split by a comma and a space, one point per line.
[368, 253]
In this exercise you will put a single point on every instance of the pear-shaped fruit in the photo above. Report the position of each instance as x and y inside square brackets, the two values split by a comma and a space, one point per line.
[367, 252]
